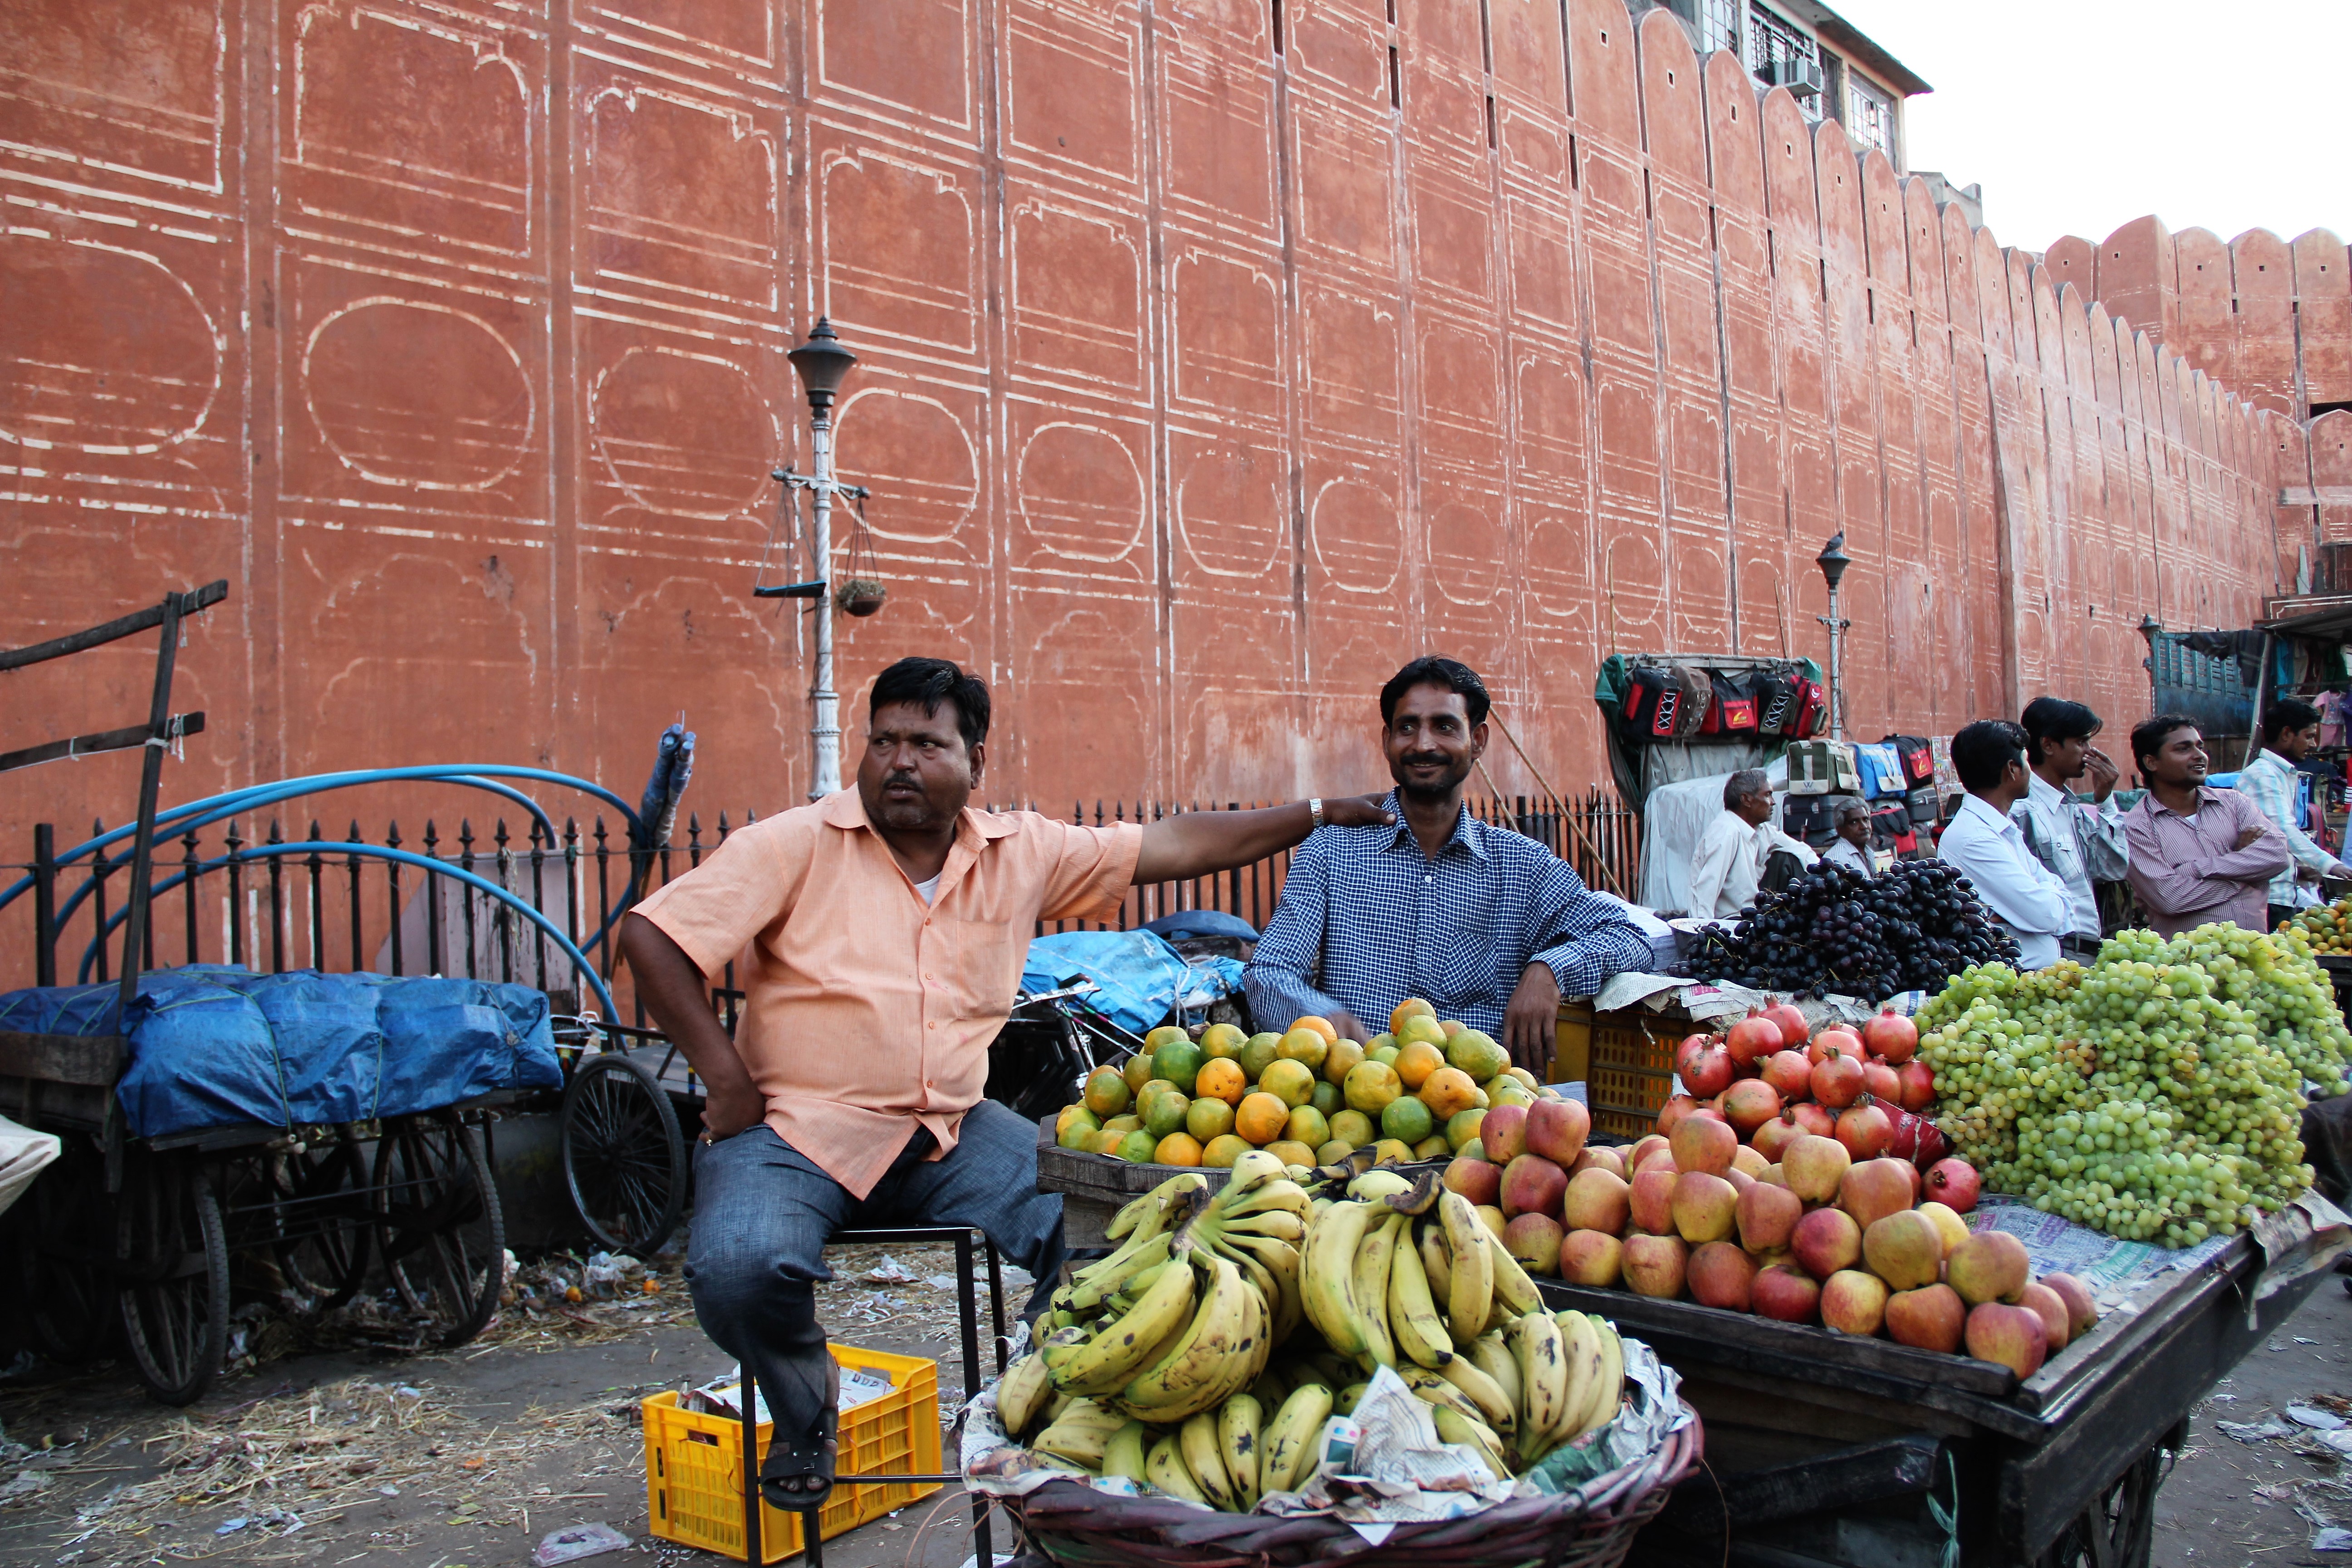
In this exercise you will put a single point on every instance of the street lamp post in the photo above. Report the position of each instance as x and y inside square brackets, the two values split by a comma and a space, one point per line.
[1833, 561]
[821, 364]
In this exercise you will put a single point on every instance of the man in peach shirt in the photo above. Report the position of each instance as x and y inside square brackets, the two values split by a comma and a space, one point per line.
[881, 932]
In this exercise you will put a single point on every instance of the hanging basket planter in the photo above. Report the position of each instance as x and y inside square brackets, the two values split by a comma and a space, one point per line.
[859, 596]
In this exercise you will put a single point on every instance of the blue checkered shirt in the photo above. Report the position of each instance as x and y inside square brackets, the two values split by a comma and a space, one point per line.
[2270, 779]
[1366, 921]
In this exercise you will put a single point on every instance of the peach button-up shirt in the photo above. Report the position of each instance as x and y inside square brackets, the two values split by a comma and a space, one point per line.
[866, 1012]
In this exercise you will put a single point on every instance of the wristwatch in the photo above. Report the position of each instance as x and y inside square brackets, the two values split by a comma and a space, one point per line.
[1315, 810]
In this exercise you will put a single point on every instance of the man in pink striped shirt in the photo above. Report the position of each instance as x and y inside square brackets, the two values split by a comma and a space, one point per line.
[2198, 854]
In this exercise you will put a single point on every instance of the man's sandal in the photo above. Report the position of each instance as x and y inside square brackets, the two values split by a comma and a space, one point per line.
[811, 1459]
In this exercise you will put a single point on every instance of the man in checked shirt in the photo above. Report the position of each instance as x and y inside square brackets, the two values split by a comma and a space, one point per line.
[1489, 927]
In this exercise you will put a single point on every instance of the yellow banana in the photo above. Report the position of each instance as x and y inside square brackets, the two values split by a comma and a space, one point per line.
[1412, 1317]
[1196, 1443]
[1580, 1353]
[1100, 1281]
[1254, 1169]
[1543, 1374]
[1114, 1356]
[1080, 1434]
[1344, 1402]
[1517, 1293]
[1281, 1262]
[1185, 1379]
[1163, 1466]
[1239, 1421]
[1279, 1223]
[1490, 1355]
[1471, 1293]
[1260, 1279]
[1054, 1405]
[1495, 1406]
[1326, 1278]
[1289, 1438]
[1376, 1185]
[1608, 1388]
[1273, 1385]
[1431, 1389]
[1123, 1455]
[1021, 1394]
[1369, 1286]
[1453, 1427]
[1435, 1261]
[1282, 1195]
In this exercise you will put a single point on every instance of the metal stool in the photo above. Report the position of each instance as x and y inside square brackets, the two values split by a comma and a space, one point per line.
[968, 1309]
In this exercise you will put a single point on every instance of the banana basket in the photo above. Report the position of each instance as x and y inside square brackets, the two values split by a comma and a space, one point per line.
[1590, 1527]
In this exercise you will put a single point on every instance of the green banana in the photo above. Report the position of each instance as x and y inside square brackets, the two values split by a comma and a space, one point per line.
[1123, 1455]
[1196, 1443]
[1239, 1421]
[1412, 1317]
[1146, 1216]
[1453, 1427]
[1289, 1438]
[1089, 1289]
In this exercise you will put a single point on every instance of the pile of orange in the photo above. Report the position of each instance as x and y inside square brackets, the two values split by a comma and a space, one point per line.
[1305, 1095]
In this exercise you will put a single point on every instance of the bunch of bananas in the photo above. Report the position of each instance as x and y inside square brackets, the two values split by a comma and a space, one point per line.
[1503, 1375]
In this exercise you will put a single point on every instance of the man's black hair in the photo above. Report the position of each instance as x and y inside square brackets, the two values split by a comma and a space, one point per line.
[1982, 751]
[926, 683]
[2049, 719]
[1429, 669]
[2148, 737]
[1744, 785]
[2287, 713]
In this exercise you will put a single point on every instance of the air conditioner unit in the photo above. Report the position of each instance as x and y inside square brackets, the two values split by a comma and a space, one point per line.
[1802, 78]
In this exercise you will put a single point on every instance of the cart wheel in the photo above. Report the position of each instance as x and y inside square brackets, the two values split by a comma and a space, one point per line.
[624, 1157]
[319, 1219]
[62, 1225]
[438, 1224]
[172, 1263]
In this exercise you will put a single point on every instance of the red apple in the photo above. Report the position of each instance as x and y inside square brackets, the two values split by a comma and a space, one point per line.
[1610, 1160]
[1865, 1131]
[1532, 1185]
[1597, 1200]
[1675, 1108]
[1651, 1203]
[1836, 1080]
[1703, 1206]
[1752, 1037]
[1720, 1274]
[1891, 1037]
[1990, 1266]
[1814, 1166]
[1853, 1302]
[1790, 1023]
[1480, 1181]
[1557, 1130]
[1786, 1294]
[1825, 1241]
[1873, 1189]
[1917, 1085]
[1879, 1082]
[1750, 1103]
[1705, 1067]
[2057, 1323]
[2082, 1311]
[1638, 1150]
[1534, 1239]
[1591, 1257]
[1700, 1144]
[1503, 1133]
[1655, 1265]
[1953, 1183]
[1768, 1217]
[1931, 1318]
[1772, 1139]
[2013, 1336]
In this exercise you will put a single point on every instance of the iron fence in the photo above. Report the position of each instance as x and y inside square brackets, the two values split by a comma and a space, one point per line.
[234, 900]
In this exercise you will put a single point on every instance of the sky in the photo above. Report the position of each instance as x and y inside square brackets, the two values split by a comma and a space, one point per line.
[2080, 115]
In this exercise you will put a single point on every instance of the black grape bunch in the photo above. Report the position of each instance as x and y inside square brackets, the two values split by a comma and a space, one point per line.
[1833, 930]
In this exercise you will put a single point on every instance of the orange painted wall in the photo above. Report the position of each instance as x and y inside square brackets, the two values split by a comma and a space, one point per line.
[1207, 375]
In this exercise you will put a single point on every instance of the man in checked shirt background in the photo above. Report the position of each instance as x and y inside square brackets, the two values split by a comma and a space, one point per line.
[1490, 927]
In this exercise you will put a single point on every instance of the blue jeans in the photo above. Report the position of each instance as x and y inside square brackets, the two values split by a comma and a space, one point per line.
[763, 1213]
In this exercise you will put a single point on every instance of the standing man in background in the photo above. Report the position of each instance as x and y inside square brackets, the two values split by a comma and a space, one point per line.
[2290, 731]
[1730, 865]
[1990, 850]
[2080, 844]
[2198, 854]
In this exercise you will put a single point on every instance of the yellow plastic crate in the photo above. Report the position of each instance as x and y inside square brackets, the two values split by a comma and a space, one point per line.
[693, 1462]
[1627, 1059]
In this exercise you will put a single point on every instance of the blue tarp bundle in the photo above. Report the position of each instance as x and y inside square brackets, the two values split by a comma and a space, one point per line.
[213, 1046]
[1138, 977]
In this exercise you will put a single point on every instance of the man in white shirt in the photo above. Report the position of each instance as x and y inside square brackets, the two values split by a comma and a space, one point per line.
[1731, 853]
[2290, 731]
[2080, 844]
[1853, 849]
[2021, 891]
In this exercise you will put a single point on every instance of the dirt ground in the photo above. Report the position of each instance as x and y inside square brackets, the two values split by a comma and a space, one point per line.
[468, 1458]
[455, 1460]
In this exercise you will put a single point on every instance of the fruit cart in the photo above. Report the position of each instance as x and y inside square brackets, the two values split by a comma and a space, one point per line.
[1831, 1451]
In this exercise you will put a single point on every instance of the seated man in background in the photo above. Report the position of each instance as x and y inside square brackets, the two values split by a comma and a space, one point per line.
[2198, 854]
[1851, 849]
[2022, 893]
[2290, 732]
[2080, 844]
[1488, 926]
[1730, 865]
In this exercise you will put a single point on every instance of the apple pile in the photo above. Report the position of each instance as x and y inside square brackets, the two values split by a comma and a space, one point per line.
[1865, 1247]
[1774, 1081]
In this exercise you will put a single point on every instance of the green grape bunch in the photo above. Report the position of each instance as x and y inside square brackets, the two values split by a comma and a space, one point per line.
[2155, 1095]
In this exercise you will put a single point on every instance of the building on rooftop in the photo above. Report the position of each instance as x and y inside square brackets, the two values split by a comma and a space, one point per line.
[1832, 68]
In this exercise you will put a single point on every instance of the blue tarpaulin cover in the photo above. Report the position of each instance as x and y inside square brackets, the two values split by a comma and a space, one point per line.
[1139, 977]
[214, 1045]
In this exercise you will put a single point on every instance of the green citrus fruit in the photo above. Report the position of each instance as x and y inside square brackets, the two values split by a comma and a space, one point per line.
[1208, 1117]
[1372, 1086]
[1179, 1062]
[1384, 1055]
[1166, 1113]
[1407, 1119]
[1307, 1126]
[1391, 1152]
[1505, 1090]
[1107, 1092]
[1221, 1152]
[1137, 1070]
[1306, 1046]
[1473, 1149]
[1078, 1131]
[1463, 1126]
[1431, 1148]
[1327, 1098]
[1256, 1052]
[1166, 1034]
[1289, 1082]
[1333, 1152]
[1353, 1128]
[1136, 1148]
[1222, 1040]
[1129, 1122]
[1477, 1054]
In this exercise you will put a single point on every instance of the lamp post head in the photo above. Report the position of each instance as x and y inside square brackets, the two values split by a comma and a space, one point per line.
[823, 364]
[1834, 559]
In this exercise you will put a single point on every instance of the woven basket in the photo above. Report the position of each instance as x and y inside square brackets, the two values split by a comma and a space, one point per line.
[1592, 1527]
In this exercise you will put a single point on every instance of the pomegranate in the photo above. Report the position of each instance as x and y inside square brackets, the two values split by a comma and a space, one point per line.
[1891, 1035]
[1836, 1037]
[1788, 1072]
[1703, 1064]
[1749, 1104]
[1790, 1022]
[1880, 1082]
[1953, 1183]
[1751, 1037]
[1837, 1079]
[1819, 1120]
[1917, 1081]
[1865, 1131]
[1773, 1138]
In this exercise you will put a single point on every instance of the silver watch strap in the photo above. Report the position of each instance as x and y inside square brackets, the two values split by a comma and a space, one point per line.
[1315, 810]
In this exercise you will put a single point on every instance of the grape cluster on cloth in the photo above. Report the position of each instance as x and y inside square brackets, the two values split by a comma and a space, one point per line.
[1833, 930]
[2155, 1095]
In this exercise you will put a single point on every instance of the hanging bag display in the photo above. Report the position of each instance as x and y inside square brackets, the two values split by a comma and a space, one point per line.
[1653, 699]
[1698, 696]
[1775, 691]
[1735, 707]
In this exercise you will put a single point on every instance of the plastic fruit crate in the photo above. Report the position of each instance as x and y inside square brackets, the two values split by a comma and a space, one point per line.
[693, 1462]
[1628, 1058]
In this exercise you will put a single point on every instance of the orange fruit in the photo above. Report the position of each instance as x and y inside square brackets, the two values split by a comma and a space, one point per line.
[1432, 1147]
[1422, 1028]
[1447, 1090]
[1389, 1151]
[1343, 1056]
[1416, 1062]
[1410, 1007]
[1450, 1028]
[1107, 1141]
[1307, 1126]
[1305, 1047]
[1289, 1080]
[1290, 1151]
[1334, 1151]
[1220, 1152]
[1370, 1088]
[1206, 1118]
[1177, 1149]
[1220, 1077]
[1261, 1117]
[1320, 1025]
